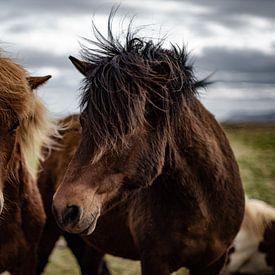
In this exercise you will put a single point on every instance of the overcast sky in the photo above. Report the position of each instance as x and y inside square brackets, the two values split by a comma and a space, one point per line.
[235, 39]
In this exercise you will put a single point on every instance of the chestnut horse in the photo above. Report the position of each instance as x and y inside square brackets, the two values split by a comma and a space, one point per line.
[24, 125]
[154, 177]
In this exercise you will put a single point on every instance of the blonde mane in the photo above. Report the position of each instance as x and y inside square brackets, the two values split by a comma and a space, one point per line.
[18, 100]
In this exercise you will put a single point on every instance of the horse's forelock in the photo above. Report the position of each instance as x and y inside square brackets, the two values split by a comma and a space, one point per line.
[133, 86]
[129, 83]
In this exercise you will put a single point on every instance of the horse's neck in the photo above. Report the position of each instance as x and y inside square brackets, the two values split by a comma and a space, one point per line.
[198, 132]
[202, 144]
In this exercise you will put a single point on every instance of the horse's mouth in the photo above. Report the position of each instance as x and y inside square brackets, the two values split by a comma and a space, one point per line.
[91, 227]
[89, 230]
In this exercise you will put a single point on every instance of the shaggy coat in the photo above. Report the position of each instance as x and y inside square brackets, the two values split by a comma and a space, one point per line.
[154, 177]
[252, 251]
[24, 123]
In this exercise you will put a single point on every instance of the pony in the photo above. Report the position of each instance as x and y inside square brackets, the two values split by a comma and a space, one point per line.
[253, 251]
[25, 125]
[248, 254]
[154, 177]
[50, 174]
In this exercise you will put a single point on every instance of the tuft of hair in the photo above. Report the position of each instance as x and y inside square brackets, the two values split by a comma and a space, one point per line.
[36, 128]
[133, 84]
[258, 216]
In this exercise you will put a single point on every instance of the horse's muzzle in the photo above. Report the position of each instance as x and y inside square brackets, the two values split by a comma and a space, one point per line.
[71, 219]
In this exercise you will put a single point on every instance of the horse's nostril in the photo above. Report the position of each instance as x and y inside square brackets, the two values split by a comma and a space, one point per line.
[71, 214]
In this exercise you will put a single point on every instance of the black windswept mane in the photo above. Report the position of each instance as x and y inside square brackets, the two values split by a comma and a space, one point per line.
[134, 85]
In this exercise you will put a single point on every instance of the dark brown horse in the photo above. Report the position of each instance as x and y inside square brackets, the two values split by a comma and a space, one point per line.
[154, 177]
[24, 125]
[252, 251]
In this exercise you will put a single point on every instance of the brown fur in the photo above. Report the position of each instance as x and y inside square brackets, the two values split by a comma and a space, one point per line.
[154, 177]
[48, 179]
[51, 172]
[24, 125]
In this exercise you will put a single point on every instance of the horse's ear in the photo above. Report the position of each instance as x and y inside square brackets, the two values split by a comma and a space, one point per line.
[36, 81]
[81, 66]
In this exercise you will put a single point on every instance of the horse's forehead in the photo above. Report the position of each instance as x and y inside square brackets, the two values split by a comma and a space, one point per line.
[15, 94]
[16, 103]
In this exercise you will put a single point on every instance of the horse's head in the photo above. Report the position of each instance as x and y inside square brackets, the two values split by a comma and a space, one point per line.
[21, 118]
[132, 97]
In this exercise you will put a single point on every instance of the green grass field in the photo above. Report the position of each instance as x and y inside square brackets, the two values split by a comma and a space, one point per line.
[254, 147]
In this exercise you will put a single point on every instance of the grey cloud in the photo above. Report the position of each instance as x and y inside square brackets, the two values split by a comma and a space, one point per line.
[265, 8]
[224, 12]
[67, 78]
[60, 7]
[234, 68]
[19, 27]
[241, 60]
[220, 11]
[241, 65]
[34, 58]
[33, 6]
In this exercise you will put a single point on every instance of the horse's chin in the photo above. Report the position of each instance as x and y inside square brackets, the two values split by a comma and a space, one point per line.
[90, 229]
[92, 225]
[86, 227]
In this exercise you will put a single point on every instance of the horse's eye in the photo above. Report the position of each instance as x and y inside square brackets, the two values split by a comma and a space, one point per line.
[14, 127]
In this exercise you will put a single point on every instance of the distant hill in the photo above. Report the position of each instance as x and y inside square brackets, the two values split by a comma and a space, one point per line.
[241, 117]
